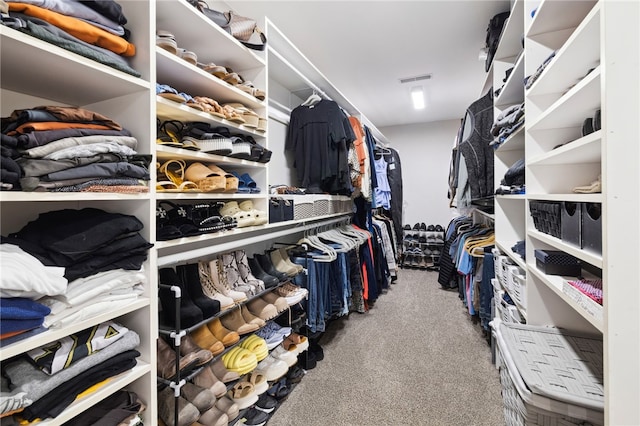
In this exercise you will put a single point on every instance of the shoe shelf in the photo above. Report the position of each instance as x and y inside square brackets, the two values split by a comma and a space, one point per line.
[53, 334]
[185, 77]
[171, 153]
[169, 110]
[513, 90]
[553, 19]
[66, 77]
[591, 258]
[510, 40]
[511, 197]
[107, 388]
[206, 196]
[571, 109]
[183, 249]
[587, 149]
[580, 53]
[197, 33]
[576, 302]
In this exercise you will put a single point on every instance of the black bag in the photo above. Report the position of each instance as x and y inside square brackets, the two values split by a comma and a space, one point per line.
[494, 30]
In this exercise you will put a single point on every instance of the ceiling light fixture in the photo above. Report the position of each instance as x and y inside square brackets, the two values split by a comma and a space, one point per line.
[417, 96]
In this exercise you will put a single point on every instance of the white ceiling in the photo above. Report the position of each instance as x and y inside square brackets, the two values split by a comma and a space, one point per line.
[365, 47]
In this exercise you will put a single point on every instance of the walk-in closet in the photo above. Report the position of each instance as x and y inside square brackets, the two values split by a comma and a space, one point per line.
[319, 213]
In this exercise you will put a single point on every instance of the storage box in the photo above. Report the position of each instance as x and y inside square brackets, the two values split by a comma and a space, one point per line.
[302, 209]
[592, 227]
[519, 287]
[570, 222]
[321, 207]
[549, 376]
[546, 217]
[555, 262]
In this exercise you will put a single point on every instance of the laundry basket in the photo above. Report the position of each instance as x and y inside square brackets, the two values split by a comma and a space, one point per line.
[549, 377]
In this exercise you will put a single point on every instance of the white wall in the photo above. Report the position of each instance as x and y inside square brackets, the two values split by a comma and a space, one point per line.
[425, 153]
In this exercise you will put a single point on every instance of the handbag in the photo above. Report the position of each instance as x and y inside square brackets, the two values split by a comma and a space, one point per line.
[240, 27]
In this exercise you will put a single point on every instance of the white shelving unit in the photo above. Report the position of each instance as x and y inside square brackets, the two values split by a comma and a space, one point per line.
[595, 67]
[35, 73]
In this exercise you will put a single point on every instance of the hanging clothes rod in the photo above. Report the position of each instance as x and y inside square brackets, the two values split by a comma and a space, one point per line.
[302, 76]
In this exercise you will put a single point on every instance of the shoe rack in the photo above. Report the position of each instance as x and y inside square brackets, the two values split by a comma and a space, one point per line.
[422, 247]
[595, 67]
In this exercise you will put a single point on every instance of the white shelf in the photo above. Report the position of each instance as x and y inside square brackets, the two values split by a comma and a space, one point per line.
[184, 77]
[573, 107]
[171, 153]
[577, 198]
[593, 259]
[512, 197]
[580, 53]
[506, 249]
[48, 71]
[52, 335]
[554, 16]
[515, 141]
[239, 237]
[510, 40]
[587, 149]
[109, 387]
[513, 90]
[195, 32]
[169, 110]
[17, 196]
[555, 283]
[206, 196]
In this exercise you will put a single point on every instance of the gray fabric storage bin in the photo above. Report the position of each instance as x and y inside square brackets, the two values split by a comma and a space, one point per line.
[592, 227]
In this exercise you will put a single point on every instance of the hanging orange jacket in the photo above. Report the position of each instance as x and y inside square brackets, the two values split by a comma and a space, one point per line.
[77, 28]
[358, 143]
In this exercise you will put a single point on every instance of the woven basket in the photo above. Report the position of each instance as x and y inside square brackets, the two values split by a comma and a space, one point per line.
[321, 207]
[302, 209]
[549, 377]
[519, 288]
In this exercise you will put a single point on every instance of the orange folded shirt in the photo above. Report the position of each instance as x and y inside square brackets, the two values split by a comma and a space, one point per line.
[80, 29]
[54, 125]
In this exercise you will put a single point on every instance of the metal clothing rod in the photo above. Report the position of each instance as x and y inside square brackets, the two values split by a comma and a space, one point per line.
[203, 252]
[302, 76]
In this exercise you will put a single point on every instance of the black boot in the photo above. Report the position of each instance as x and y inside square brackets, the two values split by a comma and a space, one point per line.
[189, 313]
[191, 279]
[259, 273]
[267, 266]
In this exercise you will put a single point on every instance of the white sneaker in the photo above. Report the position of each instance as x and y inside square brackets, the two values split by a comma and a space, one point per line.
[284, 355]
[272, 368]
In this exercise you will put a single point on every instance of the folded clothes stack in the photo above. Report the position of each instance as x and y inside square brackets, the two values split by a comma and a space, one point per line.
[69, 149]
[93, 29]
[509, 120]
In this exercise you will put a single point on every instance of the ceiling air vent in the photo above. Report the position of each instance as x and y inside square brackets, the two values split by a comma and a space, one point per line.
[416, 78]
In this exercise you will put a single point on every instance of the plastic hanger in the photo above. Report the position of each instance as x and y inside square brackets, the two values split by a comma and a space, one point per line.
[312, 100]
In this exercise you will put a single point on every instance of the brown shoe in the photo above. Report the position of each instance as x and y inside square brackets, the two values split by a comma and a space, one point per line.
[203, 337]
[167, 361]
[234, 320]
[222, 373]
[206, 379]
[188, 346]
[262, 309]
[202, 398]
[187, 412]
[251, 318]
[226, 336]
[279, 302]
[226, 405]
[214, 417]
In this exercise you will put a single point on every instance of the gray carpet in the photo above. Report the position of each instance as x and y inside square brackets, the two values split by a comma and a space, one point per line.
[414, 359]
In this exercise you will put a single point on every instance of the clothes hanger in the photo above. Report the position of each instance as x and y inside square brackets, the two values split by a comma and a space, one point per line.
[313, 99]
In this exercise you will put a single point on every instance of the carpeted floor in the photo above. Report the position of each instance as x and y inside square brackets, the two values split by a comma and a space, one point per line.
[414, 359]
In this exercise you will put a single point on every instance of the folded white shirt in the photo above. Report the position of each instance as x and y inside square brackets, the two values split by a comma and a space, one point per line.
[25, 276]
